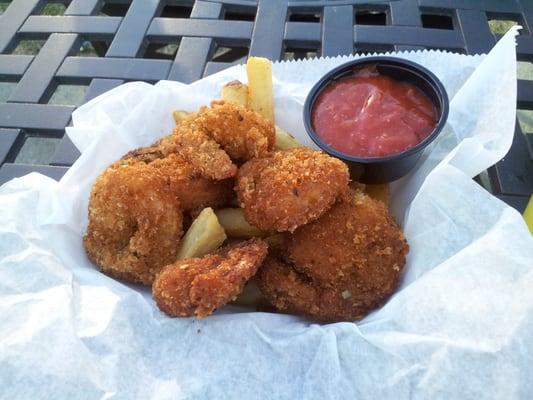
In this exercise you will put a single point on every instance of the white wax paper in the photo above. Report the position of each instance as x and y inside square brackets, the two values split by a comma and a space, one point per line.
[460, 326]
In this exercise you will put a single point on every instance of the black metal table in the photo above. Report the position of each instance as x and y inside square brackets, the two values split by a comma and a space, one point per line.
[95, 45]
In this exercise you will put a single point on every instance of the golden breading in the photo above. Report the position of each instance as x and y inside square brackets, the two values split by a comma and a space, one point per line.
[194, 191]
[290, 188]
[135, 222]
[213, 138]
[241, 132]
[340, 267]
[198, 286]
[291, 292]
[356, 239]
[203, 153]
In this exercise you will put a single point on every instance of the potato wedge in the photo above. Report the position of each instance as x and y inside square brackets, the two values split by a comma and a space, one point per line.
[284, 140]
[276, 241]
[235, 92]
[204, 235]
[179, 115]
[235, 225]
[260, 97]
[250, 296]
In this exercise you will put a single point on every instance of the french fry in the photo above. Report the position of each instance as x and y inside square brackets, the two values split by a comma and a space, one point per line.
[284, 140]
[250, 295]
[276, 241]
[235, 225]
[379, 192]
[179, 115]
[235, 92]
[260, 97]
[204, 235]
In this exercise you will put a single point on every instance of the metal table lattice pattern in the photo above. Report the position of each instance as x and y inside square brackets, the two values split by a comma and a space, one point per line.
[95, 45]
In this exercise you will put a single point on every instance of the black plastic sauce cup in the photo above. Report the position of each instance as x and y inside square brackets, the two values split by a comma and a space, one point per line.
[384, 169]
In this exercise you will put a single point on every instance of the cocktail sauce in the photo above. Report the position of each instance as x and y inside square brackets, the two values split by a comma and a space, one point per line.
[372, 115]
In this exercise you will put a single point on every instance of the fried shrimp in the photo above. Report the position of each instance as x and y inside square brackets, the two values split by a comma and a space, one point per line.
[289, 291]
[135, 222]
[198, 286]
[194, 191]
[215, 138]
[358, 240]
[290, 188]
[203, 153]
[242, 133]
[341, 266]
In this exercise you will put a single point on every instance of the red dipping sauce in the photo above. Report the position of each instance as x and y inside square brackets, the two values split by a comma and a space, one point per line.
[372, 115]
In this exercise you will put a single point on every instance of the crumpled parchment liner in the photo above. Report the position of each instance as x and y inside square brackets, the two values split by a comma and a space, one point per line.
[461, 325]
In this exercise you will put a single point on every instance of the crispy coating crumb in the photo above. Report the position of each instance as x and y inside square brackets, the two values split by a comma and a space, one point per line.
[150, 153]
[198, 286]
[213, 138]
[242, 133]
[194, 191]
[135, 222]
[358, 240]
[203, 153]
[341, 266]
[290, 188]
[291, 292]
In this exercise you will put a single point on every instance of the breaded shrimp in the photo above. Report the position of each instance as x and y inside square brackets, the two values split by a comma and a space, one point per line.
[242, 133]
[203, 153]
[198, 286]
[194, 191]
[291, 292]
[357, 239]
[215, 138]
[341, 266]
[290, 188]
[135, 222]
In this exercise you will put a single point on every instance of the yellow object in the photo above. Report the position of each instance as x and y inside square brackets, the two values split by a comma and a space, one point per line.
[528, 214]
[235, 92]
[260, 97]
[204, 235]
[179, 116]
[235, 225]
[284, 140]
